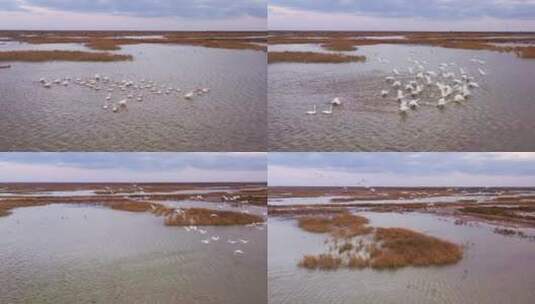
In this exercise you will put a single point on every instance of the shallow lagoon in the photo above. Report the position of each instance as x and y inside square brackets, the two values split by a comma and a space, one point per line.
[232, 117]
[494, 268]
[498, 116]
[86, 254]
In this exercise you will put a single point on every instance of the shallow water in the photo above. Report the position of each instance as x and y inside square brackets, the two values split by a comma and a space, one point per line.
[79, 254]
[498, 117]
[494, 268]
[231, 117]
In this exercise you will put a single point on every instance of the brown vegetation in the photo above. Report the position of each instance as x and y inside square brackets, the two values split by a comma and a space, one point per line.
[208, 217]
[322, 261]
[311, 57]
[389, 248]
[341, 41]
[526, 52]
[189, 216]
[103, 44]
[339, 45]
[402, 247]
[39, 56]
[344, 225]
[114, 40]
[506, 213]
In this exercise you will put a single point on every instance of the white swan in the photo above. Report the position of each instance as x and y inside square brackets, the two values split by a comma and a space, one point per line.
[458, 98]
[441, 103]
[330, 111]
[403, 108]
[400, 95]
[336, 101]
[472, 84]
[413, 104]
[384, 93]
[122, 103]
[483, 73]
[189, 95]
[313, 112]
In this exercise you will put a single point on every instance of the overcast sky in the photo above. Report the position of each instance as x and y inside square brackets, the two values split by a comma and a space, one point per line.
[132, 167]
[134, 14]
[410, 15]
[401, 169]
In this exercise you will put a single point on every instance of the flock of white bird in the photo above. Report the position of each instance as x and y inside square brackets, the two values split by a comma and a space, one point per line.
[450, 83]
[128, 90]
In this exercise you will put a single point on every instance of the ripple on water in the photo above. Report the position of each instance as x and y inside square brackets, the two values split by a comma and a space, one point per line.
[68, 254]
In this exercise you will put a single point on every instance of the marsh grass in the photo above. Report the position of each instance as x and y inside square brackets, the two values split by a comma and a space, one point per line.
[40, 56]
[388, 248]
[209, 217]
[312, 57]
[114, 40]
[339, 225]
[401, 247]
[103, 44]
[339, 45]
[322, 261]
[191, 216]
[346, 41]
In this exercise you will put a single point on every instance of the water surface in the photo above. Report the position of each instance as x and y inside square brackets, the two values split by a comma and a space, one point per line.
[85, 254]
[493, 270]
[498, 117]
[232, 117]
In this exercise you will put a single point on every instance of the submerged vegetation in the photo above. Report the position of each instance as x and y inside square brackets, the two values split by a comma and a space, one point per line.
[312, 57]
[40, 56]
[386, 248]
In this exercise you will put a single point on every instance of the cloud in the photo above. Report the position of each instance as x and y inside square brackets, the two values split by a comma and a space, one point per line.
[10, 5]
[132, 166]
[204, 9]
[430, 9]
[414, 169]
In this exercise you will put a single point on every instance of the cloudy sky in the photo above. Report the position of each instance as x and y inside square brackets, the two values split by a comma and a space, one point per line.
[416, 15]
[132, 167]
[134, 14]
[401, 169]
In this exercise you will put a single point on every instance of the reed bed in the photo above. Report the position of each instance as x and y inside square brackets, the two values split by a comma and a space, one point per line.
[322, 261]
[347, 41]
[189, 216]
[339, 45]
[339, 225]
[114, 40]
[403, 247]
[208, 217]
[40, 56]
[388, 248]
[312, 57]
